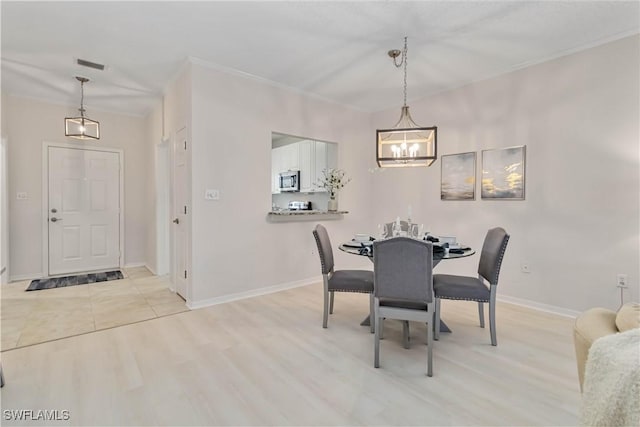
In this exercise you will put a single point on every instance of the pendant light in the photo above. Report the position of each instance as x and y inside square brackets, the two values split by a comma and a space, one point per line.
[81, 127]
[406, 144]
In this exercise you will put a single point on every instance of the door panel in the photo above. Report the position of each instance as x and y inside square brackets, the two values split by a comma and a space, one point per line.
[180, 212]
[84, 210]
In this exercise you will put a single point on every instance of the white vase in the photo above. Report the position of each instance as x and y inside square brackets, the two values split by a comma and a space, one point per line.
[332, 205]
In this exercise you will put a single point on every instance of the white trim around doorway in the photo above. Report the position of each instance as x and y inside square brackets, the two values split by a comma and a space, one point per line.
[45, 195]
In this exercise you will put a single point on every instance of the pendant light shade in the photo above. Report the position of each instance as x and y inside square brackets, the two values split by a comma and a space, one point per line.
[406, 143]
[81, 127]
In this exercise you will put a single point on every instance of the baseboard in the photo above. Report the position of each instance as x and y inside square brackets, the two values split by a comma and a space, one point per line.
[153, 271]
[21, 277]
[561, 311]
[135, 264]
[253, 293]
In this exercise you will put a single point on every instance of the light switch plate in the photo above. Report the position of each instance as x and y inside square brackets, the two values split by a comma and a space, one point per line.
[210, 194]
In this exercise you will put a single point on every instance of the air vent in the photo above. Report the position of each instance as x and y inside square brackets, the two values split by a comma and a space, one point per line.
[90, 64]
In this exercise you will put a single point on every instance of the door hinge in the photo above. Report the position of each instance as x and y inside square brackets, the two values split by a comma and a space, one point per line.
[185, 210]
[185, 274]
[185, 144]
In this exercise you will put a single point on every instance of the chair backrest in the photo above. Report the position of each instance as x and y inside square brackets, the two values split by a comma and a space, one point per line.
[495, 244]
[324, 248]
[403, 269]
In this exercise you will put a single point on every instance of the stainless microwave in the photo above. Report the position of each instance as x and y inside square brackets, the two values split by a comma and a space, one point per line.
[290, 181]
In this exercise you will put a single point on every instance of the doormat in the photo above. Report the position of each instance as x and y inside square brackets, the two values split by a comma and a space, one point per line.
[80, 279]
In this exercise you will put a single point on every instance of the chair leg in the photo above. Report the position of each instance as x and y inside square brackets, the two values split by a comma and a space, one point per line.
[331, 303]
[372, 317]
[405, 334]
[376, 339]
[492, 315]
[325, 312]
[430, 334]
[436, 323]
[481, 313]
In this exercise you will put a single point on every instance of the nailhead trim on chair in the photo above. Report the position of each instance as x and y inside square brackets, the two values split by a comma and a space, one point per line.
[503, 249]
[322, 263]
[349, 290]
[464, 299]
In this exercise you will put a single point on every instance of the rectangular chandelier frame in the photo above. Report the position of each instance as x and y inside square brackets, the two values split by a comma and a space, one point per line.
[420, 147]
[81, 128]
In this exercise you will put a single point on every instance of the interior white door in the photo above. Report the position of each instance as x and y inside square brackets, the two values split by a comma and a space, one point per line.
[180, 212]
[83, 210]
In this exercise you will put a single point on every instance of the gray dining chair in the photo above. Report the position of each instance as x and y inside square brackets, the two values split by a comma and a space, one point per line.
[340, 280]
[403, 288]
[449, 286]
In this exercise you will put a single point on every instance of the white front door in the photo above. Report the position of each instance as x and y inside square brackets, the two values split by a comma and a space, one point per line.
[83, 210]
[180, 212]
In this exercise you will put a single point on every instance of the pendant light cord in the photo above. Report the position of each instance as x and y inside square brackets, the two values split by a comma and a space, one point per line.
[404, 59]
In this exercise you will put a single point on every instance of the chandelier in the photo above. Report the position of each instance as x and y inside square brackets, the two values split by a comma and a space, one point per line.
[406, 144]
[81, 127]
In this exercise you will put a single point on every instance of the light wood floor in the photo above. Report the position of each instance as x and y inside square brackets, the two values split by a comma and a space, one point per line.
[267, 361]
[37, 316]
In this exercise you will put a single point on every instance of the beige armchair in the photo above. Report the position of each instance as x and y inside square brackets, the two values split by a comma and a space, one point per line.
[599, 322]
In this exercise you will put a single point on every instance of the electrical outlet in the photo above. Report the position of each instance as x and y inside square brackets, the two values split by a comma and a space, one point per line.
[621, 281]
[21, 195]
[212, 194]
[524, 267]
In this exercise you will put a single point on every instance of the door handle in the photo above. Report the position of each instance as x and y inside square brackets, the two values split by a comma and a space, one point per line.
[54, 219]
[176, 221]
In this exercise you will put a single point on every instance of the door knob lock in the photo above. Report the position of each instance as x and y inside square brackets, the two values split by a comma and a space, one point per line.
[54, 219]
[54, 210]
[176, 221]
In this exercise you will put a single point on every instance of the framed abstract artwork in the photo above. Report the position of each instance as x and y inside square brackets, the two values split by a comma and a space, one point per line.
[503, 173]
[458, 177]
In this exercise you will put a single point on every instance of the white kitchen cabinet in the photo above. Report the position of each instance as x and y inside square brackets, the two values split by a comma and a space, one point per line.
[285, 158]
[306, 152]
[291, 157]
[320, 164]
[315, 157]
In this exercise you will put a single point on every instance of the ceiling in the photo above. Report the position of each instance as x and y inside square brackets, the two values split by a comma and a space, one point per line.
[332, 50]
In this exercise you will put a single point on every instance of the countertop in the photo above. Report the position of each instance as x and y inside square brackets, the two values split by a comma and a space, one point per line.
[287, 212]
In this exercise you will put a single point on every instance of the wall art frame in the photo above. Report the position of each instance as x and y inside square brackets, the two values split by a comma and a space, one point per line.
[458, 176]
[503, 173]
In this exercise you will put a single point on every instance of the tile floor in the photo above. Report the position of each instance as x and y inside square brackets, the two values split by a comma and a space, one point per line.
[33, 317]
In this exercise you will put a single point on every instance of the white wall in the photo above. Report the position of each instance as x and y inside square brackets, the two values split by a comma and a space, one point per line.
[153, 132]
[30, 123]
[4, 202]
[235, 248]
[578, 227]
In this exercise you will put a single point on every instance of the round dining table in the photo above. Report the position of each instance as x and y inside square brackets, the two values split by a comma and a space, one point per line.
[366, 249]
